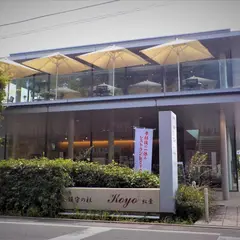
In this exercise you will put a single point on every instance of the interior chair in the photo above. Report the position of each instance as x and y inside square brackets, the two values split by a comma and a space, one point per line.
[192, 84]
[102, 91]
[11, 99]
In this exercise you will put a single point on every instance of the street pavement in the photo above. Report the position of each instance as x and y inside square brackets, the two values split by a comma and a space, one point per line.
[226, 216]
[47, 229]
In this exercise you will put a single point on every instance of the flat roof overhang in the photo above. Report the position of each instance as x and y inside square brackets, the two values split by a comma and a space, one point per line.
[133, 101]
[127, 44]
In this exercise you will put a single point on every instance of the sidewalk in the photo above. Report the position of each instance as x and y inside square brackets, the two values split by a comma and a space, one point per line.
[227, 213]
[225, 216]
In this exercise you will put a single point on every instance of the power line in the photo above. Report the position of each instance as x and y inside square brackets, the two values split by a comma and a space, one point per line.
[88, 20]
[57, 13]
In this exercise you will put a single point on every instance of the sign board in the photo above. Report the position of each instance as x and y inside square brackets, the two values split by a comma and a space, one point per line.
[112, 199]
[168, 162]
[143, 149]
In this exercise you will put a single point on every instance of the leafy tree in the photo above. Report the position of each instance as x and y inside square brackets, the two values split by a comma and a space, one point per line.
[192, 170]
[4, 79]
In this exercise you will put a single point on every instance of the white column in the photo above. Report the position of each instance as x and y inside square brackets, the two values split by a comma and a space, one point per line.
[71, 129]
[229, 150]
[111, 138]
[237, 132]
[168, 161]
[237, 124]
[224, 156]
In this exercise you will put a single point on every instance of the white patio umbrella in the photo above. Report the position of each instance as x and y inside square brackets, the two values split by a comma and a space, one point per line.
[15, 70]
[177, 51]
[146, 85]
[61, 90]
[57, 63]
[67, 92]
[65, 89]
[113, 57]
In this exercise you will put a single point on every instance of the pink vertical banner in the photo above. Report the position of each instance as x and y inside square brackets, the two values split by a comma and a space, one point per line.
[143, 149]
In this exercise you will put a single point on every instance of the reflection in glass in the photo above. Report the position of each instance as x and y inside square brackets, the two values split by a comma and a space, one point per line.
[200, 75]
[148, 79]
[32, 135]
[26, 135]
[112, 58]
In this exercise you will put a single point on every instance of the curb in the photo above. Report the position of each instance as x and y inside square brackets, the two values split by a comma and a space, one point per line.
[89, 220]
[217, 227]
[122, 222]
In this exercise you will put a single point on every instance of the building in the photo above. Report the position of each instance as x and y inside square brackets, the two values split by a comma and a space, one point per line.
[207, 108]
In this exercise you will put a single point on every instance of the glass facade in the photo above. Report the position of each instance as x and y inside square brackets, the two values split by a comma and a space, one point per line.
[112, 132]
[149, 79]
[104, 135]
[219, 72]
[26, 135]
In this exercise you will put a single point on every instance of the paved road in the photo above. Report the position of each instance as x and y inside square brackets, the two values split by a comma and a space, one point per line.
[30, 229]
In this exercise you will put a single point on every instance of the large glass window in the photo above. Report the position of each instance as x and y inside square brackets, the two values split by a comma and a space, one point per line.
[106, 135]
[76, 85]
[218, 72]
[201, 126]
[26, 135]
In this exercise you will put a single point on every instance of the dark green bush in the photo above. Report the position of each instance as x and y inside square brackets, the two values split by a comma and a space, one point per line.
[85, 174]
[190, 203]
[33, 188]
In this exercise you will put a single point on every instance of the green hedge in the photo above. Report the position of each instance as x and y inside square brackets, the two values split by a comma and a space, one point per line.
[111, 176]
[33, 188]
[190, 203]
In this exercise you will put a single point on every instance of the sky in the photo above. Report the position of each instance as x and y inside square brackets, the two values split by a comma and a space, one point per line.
[114, 21]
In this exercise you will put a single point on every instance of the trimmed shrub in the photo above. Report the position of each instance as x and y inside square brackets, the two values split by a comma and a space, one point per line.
[33, 188]
[85, 174]
[190, 203]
